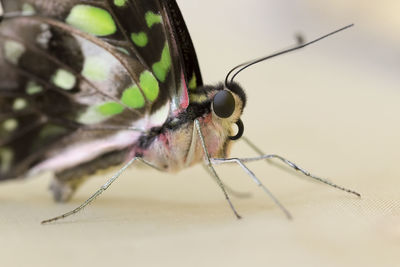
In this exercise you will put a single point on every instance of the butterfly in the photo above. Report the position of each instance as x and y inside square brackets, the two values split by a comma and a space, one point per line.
[86, 85]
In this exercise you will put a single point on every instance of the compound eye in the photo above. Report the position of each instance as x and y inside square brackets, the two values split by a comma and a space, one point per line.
[224, 104]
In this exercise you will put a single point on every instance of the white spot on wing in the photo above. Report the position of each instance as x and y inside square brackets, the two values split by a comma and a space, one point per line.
[10, 125]
[44, 36]
[160, 116]
[13, 51]
[91, 116]
[19, 104]
[64, 79]
[96, 68]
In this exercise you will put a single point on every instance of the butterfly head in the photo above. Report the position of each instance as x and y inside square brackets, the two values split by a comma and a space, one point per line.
[227, 107]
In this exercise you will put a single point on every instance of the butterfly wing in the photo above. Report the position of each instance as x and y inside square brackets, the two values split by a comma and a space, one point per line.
[76, 74]
[159, 26]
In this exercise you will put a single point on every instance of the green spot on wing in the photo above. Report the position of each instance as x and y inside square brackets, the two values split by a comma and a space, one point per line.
[111, 108]
[33, 88]
[28, 9]
[96, 69]
[193, 82]
[149, 85]
[152, 19]
[133, 98]
[140, 39]
[93, 20]
[162, 67]
[64, 79]
[120, 3]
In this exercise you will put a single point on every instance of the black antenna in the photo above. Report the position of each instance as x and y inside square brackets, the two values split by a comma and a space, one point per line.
[299, 41]
[244, 66]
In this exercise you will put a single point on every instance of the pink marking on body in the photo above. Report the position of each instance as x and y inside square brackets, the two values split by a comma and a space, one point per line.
[212, 134]
[207, 119]
[185, 96]
[164, 139]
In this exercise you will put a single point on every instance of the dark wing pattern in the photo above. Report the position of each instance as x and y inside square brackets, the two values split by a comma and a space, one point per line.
[183, 45]
[74, 72]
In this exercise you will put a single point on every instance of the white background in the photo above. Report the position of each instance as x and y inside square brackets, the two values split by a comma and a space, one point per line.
[333, 108]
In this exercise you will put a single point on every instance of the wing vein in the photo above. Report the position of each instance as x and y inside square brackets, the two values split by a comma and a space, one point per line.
[94, 40]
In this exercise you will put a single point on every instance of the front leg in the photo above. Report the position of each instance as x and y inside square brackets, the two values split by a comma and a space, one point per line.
[256, 180]
[241, 161]
[263, 156]
[228, 189]
[211, 168]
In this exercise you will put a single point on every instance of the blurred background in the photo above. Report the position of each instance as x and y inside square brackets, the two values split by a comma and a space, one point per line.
[333, 108]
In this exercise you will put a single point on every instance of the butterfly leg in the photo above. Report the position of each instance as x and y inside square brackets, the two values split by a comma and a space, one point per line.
[241, 161]
[294, 166]
[228, 189]
[212, 170]
[99, 191]
[256, 180]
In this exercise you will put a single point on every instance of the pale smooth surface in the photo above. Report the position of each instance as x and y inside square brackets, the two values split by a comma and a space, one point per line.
[333, 108]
